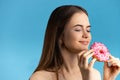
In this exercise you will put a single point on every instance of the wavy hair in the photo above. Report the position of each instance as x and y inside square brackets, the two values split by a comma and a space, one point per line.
[51, 59]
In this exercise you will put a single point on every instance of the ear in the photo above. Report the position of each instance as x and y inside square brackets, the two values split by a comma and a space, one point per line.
[60, 40]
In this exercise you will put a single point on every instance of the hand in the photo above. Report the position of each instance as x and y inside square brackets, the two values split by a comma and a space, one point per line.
[111, 71]
[86, 68]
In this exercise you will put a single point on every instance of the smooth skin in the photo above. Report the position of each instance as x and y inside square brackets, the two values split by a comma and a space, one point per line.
[76, 38]
[111, 68]
[73, 45]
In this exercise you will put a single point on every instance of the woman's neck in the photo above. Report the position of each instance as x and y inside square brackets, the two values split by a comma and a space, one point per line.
[70, 61]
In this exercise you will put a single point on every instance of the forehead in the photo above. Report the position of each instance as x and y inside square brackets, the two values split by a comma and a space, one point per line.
[78, 18]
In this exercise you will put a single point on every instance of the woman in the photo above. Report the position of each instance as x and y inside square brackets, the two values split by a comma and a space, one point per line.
[65, 52]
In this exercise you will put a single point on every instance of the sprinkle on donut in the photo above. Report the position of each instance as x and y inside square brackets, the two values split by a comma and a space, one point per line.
[101, 52]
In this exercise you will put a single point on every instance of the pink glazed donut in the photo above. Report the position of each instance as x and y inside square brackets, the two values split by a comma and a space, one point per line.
[101, 52]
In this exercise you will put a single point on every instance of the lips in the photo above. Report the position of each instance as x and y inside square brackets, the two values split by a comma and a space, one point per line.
[84, 42]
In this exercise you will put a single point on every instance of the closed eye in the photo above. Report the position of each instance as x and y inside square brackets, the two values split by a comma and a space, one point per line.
[88, 31]
[77, 30]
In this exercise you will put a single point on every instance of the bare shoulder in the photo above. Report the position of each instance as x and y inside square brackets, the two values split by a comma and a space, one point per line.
[43, 75]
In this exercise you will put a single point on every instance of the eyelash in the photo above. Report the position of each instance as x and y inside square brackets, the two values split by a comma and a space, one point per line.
[80, 30]
[88, 31]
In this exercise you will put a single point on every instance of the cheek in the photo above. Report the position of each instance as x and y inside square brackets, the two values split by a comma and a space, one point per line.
[70, 37]
[90, 37]
[70, 40]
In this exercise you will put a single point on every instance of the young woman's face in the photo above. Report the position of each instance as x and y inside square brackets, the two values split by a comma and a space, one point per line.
[76, 35]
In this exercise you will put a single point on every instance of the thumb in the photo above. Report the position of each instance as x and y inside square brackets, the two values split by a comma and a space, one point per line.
[92, 62]
[106, 65]
[111, 57]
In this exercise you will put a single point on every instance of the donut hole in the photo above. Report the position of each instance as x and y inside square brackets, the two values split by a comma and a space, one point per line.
[101, 51]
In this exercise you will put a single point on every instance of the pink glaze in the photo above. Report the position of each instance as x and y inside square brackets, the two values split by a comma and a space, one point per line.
[101, 52]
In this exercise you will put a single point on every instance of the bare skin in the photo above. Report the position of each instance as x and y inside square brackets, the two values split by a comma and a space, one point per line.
[111, 71]
[76, 38]
[43, 75]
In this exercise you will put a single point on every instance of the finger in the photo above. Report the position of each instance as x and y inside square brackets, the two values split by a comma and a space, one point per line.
[85, 57]
[80, 60]
[81, 53]
[106, 65]
[111, 57]
[92, 62]
[88, 52]
[115, 63]
[110, 60]
[88, 56]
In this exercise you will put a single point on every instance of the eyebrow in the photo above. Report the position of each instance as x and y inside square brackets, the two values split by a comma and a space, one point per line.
[80, 25]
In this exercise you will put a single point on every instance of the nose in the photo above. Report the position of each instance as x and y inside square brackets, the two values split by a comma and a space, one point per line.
[85, 34]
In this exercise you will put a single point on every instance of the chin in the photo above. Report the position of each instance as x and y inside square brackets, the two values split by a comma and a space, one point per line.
[80, 49]
[84, 49]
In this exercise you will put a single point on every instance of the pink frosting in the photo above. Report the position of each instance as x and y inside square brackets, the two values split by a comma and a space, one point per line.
[100, 51]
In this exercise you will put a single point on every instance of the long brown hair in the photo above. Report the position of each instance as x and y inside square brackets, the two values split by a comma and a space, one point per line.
[51, 59]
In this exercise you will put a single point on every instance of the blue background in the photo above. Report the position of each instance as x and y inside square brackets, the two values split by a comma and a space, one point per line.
[23, 24]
